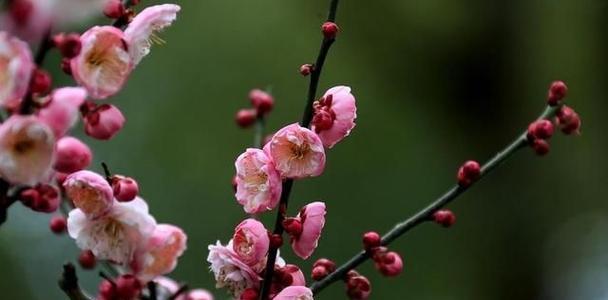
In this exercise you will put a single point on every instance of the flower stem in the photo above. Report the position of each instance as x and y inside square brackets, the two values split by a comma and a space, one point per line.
[306, 119]
[69, 283]
[426, 213]
[258, 137]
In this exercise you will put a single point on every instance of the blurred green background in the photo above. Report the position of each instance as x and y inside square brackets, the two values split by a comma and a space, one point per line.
[437, 82]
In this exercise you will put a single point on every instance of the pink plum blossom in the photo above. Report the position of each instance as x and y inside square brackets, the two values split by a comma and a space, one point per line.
[116, 235]
[295, 293]
[334, 115]
[16, 66]
[104, 122]
[90, 192]
[230, 271]
[103, 64]
[72, 155]
[141, 32]
[62, 110]
[27, 149]
[251, 242]
[159, 255]
[258, 184]
[297, 152]
[312, 217]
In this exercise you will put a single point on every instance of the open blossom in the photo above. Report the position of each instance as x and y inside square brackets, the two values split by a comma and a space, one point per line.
[312, 217]
[103, 64]
[295, 293]
[230, 271]
[141, 32]
[258, 184]
[16, 67]
[251, 242]
[90, 192]
[115, 235]
[159, 255]
[334, 115]
[62, 110]
[27, 148]
[297, 152]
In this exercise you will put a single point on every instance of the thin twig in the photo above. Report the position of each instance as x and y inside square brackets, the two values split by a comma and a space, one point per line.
[426, 213]
[306, 119]
[258, 136]
[69, 283]
[182, 289]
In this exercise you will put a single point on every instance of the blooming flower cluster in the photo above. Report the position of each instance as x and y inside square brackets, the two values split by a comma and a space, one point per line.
[44, 167]
[293, 152]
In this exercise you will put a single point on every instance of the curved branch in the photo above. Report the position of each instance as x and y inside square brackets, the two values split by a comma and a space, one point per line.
[426, 213]
[69, 283]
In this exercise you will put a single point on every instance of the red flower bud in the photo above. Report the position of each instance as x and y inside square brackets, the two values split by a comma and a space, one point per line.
[540, 129]
[262, 101]
[114, 9]
[306, 69]
[541, 147]
[128, 287]
[125, 188]
[87, 259]
[41, 82]
[468, 172]
[245, 117]
[444, 217]
[371, 240]
[557, 92]
[58, 224]
[330, 30]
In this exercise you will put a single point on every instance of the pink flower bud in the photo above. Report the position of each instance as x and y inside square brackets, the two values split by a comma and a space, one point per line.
[42, 198]
[66, 67]
[326, 263]
[371, 240]
[104, 122]
[306, 69]
[128, 287]
[444, 217]
[358, 287]
[276, 241]
[245, 117]
[540, 129]
[330, 30]
[68, 44]
[557, 92]
[541, 147]
[198, 294]
[292, 226]
[262, 101]
[71, 155]
[125, 188]
[87, 259]
[391, 265]
[58, 224]
[21, 11]
[107, 290]
[40, 82]
[568, 120]
[114, 9]
[469, 172]
[319, 272]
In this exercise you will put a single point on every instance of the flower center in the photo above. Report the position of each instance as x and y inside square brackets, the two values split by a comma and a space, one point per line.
[23, 146]
[300, 151]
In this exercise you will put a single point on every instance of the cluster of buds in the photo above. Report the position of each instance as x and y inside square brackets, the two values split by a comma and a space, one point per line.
[567, 120]
[388, 263]
[262, 103]
[358, 287]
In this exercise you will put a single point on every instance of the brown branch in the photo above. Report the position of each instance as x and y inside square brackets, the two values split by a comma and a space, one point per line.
[69, 283]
